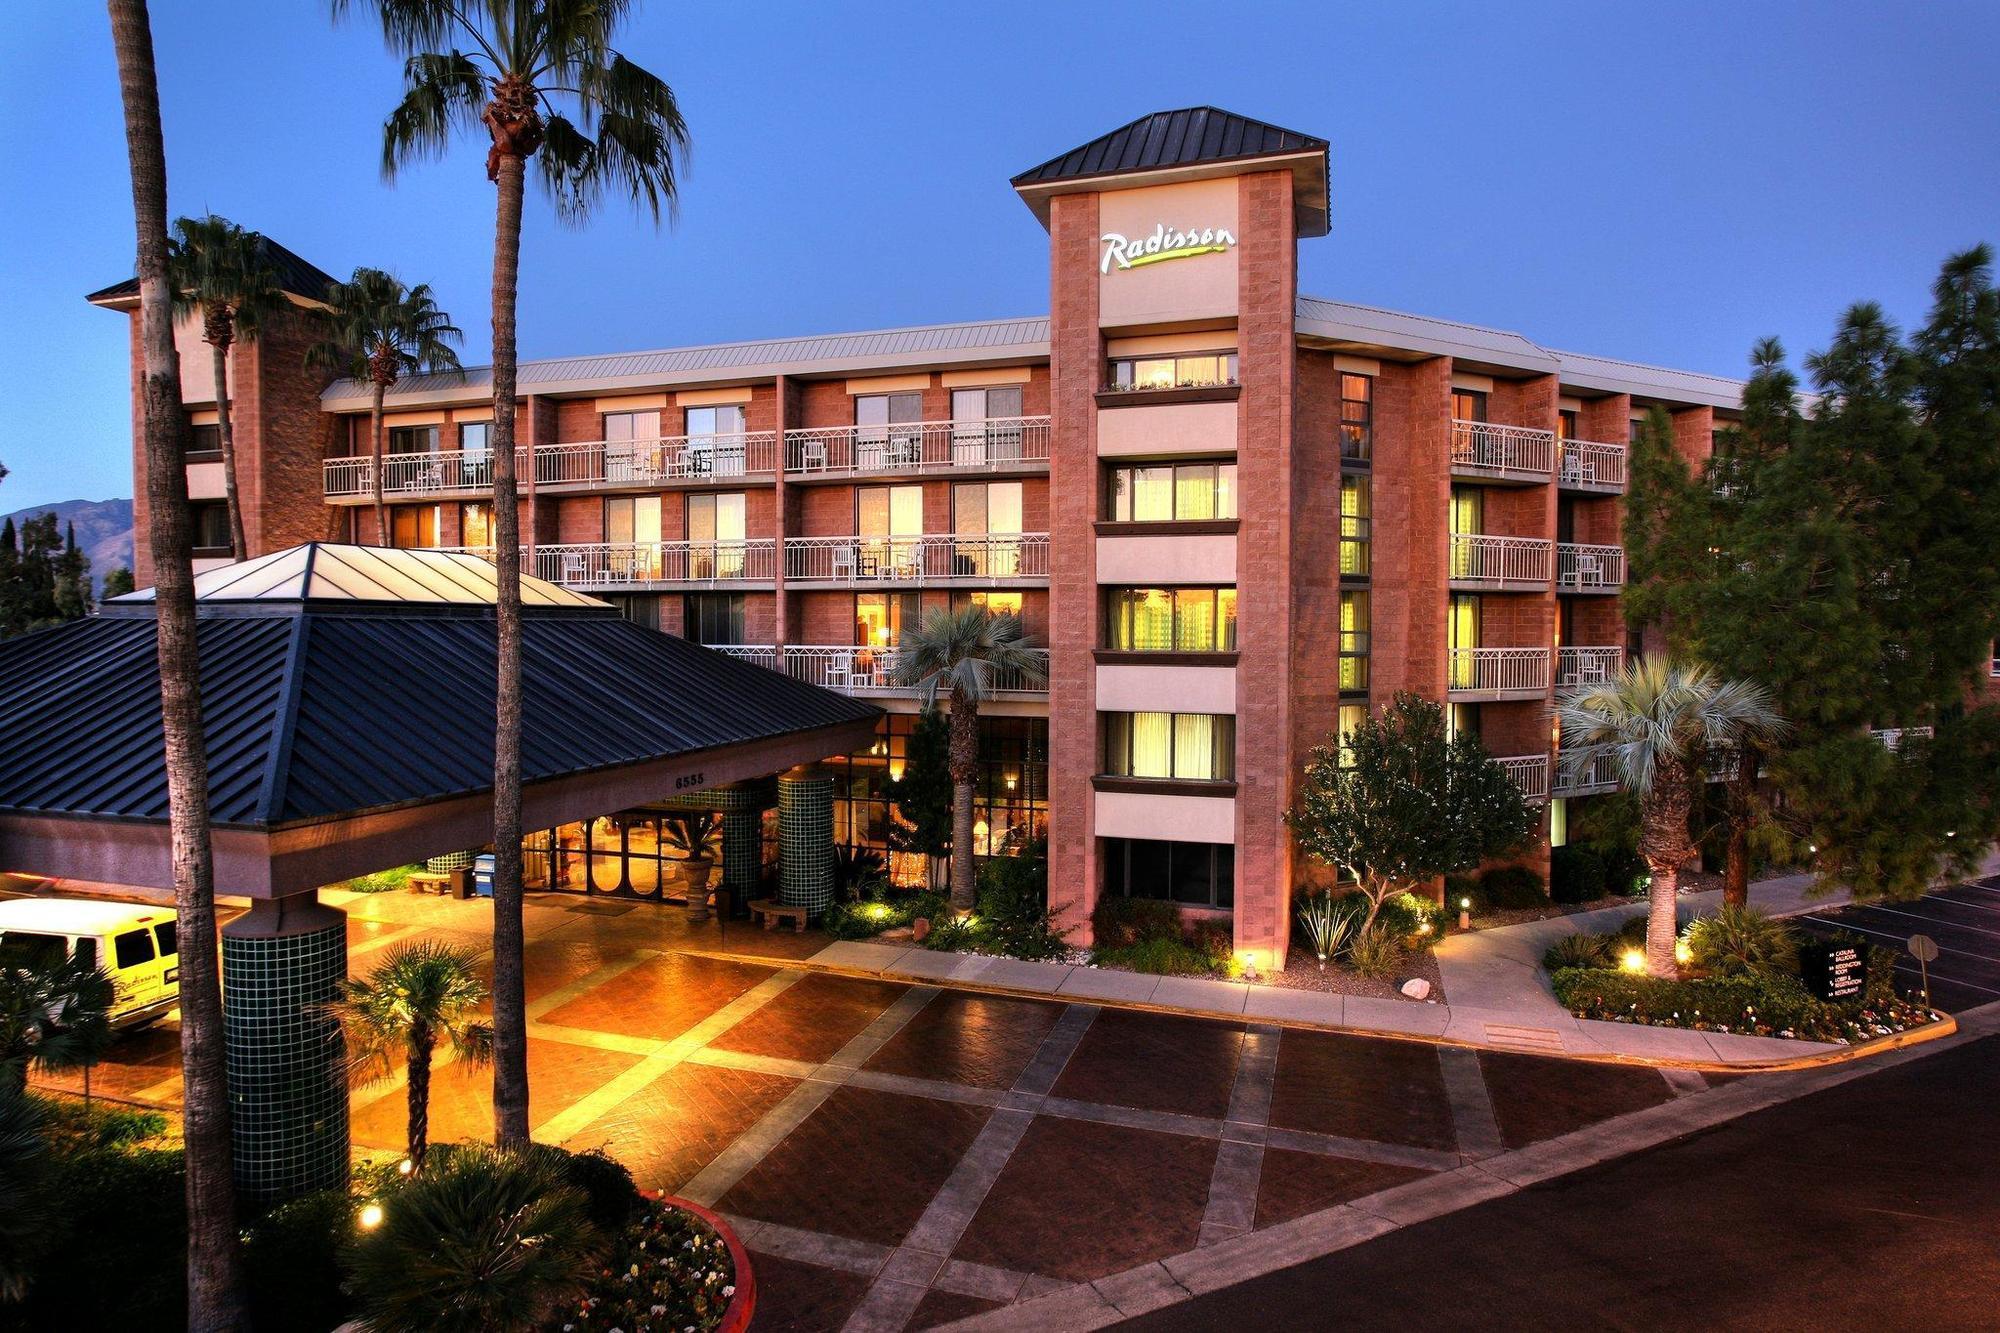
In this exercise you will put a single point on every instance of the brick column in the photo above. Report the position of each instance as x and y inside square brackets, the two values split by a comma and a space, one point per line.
[1409, 648]
[781, 521]
[1269, 657]
[1075, 372]
[287, 1091]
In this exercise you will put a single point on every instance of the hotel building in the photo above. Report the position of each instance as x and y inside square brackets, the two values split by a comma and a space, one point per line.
[1237, 516]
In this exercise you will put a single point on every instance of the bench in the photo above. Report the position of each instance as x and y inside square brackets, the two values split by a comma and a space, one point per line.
[770, 911]
[424, 881]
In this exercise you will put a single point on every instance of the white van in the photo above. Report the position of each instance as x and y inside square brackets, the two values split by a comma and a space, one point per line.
[135, 945]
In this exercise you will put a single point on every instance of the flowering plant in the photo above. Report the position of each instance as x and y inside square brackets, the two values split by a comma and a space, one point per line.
[668, 1270]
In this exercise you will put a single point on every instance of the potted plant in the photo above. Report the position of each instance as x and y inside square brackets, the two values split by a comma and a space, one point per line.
[693, 834]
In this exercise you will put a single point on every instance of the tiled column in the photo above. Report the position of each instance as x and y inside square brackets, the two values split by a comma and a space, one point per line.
[287, 1095]
[805, 839]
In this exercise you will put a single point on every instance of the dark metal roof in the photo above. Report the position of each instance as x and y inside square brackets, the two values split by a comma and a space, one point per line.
[1172, 139]
[315, 711]
[295, 275]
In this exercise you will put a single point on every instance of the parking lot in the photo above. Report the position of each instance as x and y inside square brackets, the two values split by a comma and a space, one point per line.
[1965, 922]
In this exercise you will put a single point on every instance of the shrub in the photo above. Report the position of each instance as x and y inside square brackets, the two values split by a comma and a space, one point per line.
[1579, 951]
[1374, 952]
[929, 904]
[667, 1269]
[1576, 874]
[1015, 888]
[116, 1251]
[1326, 926]
[1159, 954]
[952, 934]
[612, 1199]
[380, 881]
[858, 872]
[1742, 941]
[73, 1126]
[1512, 888]
[291, 1263]
[1117, 921]
[857, 921]
[1626, 872]
[1755, 1004]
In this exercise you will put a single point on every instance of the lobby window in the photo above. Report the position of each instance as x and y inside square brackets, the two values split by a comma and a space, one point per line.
[1353, 640]
[628, 426]
[1357, 417]
[209, 521]
[413, 439]
[1199, 370]
[713, 617]
[1194, 874]
[1468, 405]
[1166, 492]
[415, 526]
[204, 443]
[1171, 620]
[1356, 499]
[1187, 747]
[475, 525]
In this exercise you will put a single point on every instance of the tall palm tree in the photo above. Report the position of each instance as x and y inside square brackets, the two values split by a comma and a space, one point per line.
[422, 994]
[958, 653]
[215, 1296]
[225, 274]
[524, 61]
[1661, 722]
[379, 330]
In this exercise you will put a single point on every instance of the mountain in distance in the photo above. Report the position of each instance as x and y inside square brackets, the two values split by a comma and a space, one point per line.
[103, 530]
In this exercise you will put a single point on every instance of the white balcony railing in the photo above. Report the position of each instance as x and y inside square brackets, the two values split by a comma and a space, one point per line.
[644, 564]
[1502, 451]
[1591, 465]
[1892, 738]
[760, 654]
[1499, 671]
[1590, 568]
[864, 670]
[1588, 666]
[918, 445]
[657, 462]
[1584, 775]
[1530, 773]
[1476, 558]
[933, 558]
[442, 473]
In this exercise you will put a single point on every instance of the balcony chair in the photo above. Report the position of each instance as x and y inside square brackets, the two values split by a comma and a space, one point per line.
[812, 456]
[845, 562]
[573, 567]
[1588, 573]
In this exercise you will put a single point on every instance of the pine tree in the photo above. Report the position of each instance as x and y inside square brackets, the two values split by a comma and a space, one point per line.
[923, 794]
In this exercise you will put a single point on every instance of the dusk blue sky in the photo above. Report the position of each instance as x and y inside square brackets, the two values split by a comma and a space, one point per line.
[1663, 183]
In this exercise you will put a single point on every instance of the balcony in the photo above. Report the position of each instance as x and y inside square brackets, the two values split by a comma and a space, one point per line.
[1496, 674]
[678, 460]
[1579, 775]
[1589, 568]
[1892, 738]
[1011, 444]
[451, 472]
[864, 671]
[655, 566]
[1530, 773]
[1482, 563]
[931, 560]
[1587, 465]
[1506, 453]
[1588, 666]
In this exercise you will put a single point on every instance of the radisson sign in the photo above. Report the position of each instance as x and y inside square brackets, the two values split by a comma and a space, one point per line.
[1165, 243]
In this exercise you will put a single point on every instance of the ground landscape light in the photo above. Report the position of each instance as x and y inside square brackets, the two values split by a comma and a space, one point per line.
[1633, 960]
[371, 1216]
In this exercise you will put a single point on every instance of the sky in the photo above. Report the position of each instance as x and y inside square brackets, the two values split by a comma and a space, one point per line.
[1662, 183]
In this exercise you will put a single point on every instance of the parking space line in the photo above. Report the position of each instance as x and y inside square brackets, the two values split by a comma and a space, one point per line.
[1938, 922]
[1883, 934]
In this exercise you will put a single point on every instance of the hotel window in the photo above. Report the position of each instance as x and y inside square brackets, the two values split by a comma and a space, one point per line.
[881, 617]
[209, 520]
[1461, 720]
[1171, 620]
[727, 420]
[625, 426]
[1353, 641]
[1566, 424]
[632, 529]
[1357, 417]
[1202, 370]
[993, 603]
[413, 439]
[717, 526]
[986, 520]
[475, 440]
[1462, 628]
[713, 617]
[1165, 492]
[1351, 717]
[1195, 874]
[986, 424]
[1187, 747]
[475, 525]
[995, 404]
[1356, 499]
[1468, 405]
[414, 526]
[888, 520]
[887, 430]
[204, 443]
[1994, 668]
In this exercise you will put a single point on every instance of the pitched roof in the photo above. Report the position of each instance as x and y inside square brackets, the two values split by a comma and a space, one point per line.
[345, 573]
[295, 275]
[1186, 140]
[315, 710]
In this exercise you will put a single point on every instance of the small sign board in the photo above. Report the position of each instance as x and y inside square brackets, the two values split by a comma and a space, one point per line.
[1833, 970]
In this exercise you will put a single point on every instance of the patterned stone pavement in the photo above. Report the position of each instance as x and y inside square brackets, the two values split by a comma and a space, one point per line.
[900, 1156]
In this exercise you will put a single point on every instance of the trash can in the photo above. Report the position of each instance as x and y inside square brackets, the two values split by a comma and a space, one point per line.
[482, 875]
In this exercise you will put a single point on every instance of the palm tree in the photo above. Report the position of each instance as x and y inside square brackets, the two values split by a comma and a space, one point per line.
[24, 1207]
[422, 994]
[958, 653]
[54, 1015]
[487, 1240]
[224, 273]
[214, 1285]
[379, 330]
[1661, 723]
[524, 59]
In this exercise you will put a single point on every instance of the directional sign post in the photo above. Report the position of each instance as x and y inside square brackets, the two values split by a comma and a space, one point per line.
[1924, 949]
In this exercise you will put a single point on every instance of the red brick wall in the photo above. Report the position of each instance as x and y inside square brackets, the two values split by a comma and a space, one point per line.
[280, 434]
[1412, 494]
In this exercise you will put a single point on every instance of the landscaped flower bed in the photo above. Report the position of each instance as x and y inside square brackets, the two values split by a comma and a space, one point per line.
[674, 1267]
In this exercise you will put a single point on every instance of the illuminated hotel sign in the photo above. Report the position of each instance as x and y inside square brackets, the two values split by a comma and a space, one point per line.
[1165, 243]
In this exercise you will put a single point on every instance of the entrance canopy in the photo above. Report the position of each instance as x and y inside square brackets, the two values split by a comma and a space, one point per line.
[348, 708]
